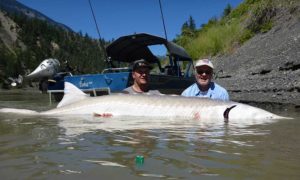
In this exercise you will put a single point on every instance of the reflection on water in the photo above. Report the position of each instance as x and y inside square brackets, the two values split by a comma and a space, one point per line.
[105, 148]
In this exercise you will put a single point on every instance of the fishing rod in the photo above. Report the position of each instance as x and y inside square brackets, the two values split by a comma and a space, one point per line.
[101, 45]
[165, 30]
[163, 21]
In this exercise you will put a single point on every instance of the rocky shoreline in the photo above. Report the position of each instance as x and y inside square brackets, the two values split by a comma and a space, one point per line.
[267, 67]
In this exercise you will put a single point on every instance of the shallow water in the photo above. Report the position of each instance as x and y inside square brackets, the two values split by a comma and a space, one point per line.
[77, 148]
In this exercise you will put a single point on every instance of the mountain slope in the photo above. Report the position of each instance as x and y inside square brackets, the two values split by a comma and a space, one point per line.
[8, 31]
[13, 6]
[267, 67]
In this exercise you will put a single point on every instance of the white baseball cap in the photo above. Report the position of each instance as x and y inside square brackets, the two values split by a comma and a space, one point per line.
[204, 62]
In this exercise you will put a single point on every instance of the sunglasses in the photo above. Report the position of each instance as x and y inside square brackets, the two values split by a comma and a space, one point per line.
[143, 71]
[208, 72]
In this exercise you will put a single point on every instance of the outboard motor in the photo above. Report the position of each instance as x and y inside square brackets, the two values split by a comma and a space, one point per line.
[46, 69]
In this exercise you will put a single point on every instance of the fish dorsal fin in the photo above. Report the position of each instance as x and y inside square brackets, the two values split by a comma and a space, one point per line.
[226, 113]
[71, 95]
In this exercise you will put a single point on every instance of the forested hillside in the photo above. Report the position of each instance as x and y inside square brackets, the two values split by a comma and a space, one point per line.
[25, 42]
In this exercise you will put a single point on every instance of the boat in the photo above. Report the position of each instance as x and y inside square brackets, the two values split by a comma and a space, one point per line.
[168, 76]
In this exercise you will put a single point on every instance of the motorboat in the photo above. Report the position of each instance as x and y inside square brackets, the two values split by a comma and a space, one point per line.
[171, 74]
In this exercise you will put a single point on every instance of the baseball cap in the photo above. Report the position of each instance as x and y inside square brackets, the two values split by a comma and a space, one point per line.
[140, 63]
[204, 62]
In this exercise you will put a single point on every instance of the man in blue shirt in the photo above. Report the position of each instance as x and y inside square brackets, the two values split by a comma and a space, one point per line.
[204, 87]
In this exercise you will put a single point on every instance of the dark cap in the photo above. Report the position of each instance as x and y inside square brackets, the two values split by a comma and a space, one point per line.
[141, 63]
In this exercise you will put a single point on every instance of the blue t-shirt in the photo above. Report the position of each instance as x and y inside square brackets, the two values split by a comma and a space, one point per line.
[215, 91]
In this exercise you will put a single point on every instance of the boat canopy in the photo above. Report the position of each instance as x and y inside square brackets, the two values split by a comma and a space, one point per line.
[133, 47]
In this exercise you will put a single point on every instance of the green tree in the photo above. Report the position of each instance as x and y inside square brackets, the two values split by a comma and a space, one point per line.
[227, 10]
[41, 40]
[189, 27]
[192, 24]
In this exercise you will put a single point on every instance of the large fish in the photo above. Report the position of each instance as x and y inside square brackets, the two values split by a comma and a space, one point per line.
[75, 103]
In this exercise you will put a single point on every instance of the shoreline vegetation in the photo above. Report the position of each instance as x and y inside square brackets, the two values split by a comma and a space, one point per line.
[221, 36]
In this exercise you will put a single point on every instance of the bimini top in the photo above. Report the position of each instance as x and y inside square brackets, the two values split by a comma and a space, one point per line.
[133, 47]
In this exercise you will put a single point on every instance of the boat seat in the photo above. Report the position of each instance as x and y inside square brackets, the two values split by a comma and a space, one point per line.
[172, 71]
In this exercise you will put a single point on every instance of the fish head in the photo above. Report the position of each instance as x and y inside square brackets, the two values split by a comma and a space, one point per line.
[249, 115]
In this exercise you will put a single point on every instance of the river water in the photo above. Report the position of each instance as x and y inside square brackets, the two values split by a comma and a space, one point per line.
[77, 148]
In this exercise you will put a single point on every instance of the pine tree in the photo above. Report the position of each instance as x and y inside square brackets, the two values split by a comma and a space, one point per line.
[227, 10]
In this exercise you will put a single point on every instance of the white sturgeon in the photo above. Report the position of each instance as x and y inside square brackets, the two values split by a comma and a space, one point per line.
[75, 103]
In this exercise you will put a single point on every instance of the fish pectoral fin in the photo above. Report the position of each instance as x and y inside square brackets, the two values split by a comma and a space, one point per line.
[226, 113]
[106, 115]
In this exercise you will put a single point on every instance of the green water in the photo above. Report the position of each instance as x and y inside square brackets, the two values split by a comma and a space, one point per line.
[51, 148]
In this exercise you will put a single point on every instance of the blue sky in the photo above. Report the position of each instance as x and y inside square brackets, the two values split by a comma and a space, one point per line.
[123, 17]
